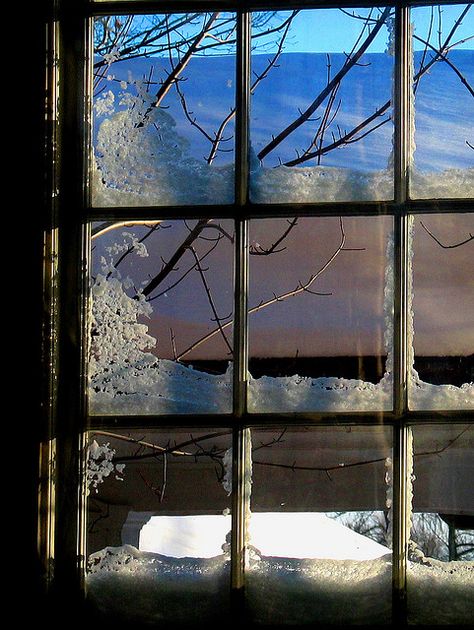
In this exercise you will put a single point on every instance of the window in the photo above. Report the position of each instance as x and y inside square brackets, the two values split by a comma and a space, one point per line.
[259, 337]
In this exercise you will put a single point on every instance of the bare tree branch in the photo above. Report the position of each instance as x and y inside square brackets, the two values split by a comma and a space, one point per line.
[180, 66]
[350, 63]
[444, 57]
[302, 287]
[467, 240]
[210, 298]
[177, 255]
[257, 250]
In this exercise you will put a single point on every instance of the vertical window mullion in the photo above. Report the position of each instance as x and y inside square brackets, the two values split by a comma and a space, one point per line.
[240, 436]
[401, 451]
[72, 278]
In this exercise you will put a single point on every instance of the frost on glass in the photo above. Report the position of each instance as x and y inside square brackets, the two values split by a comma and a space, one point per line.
[440, 574]
[161, 317]
[321, 107]
[319, 541]
[321, 314]
[158, 526]
[443, 88]
[441, 312]
[163, 109]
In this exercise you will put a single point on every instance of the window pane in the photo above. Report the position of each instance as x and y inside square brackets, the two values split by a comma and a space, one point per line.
[320, 327]
[157, 517]
[320, 526]
[321, 108]
[162, 302]
[444, 93]
[441, 567]
[164, 104]
[442, 310]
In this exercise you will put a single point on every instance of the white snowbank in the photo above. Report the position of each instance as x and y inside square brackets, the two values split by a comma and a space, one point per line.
[313, 535]
[162, 386]
[440, 592]
[147, 587]
[300, 393]
[165, 386]
[280, 185]
[450, 183]
[136, 586]
[300, 591]
[426, 396]
[319, 183]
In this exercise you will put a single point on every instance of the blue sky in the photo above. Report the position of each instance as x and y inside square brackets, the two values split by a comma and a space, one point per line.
[331, 30]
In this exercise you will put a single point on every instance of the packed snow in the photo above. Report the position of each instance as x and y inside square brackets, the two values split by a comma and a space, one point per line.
[148, 587]
[138, 586]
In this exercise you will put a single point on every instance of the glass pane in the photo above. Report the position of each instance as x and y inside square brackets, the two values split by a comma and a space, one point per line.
[164, 105]
[441, 567]
[321, 110]
[442, 312]
[320, 526]
[162, 303]
[320, 325]
[158, 517]
[444, 92]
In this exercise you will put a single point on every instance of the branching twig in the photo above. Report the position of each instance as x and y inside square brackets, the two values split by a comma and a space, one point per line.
[217, 454]
[302, 287]
[467, 240]
[177, 255]
[257, 250]
[180, 66]
[351, 61]
[183, 276]
[210, 298]
[442, 56]
[177, 449]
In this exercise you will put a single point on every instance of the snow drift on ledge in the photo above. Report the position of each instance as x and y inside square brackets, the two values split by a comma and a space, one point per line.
[141, 586]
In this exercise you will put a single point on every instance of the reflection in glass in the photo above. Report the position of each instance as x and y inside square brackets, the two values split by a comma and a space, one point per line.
[321, 125]
[442, 308]
[161, 320]
[320, 526]
[320, 323]
[443, 87]
[164, 105]
[441, 567]
[138, 572]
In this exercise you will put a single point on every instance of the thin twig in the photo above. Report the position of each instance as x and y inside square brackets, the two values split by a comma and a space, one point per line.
[210, 298]
[467, 240]
[257, 250]
[328, 89]
[301, 288]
